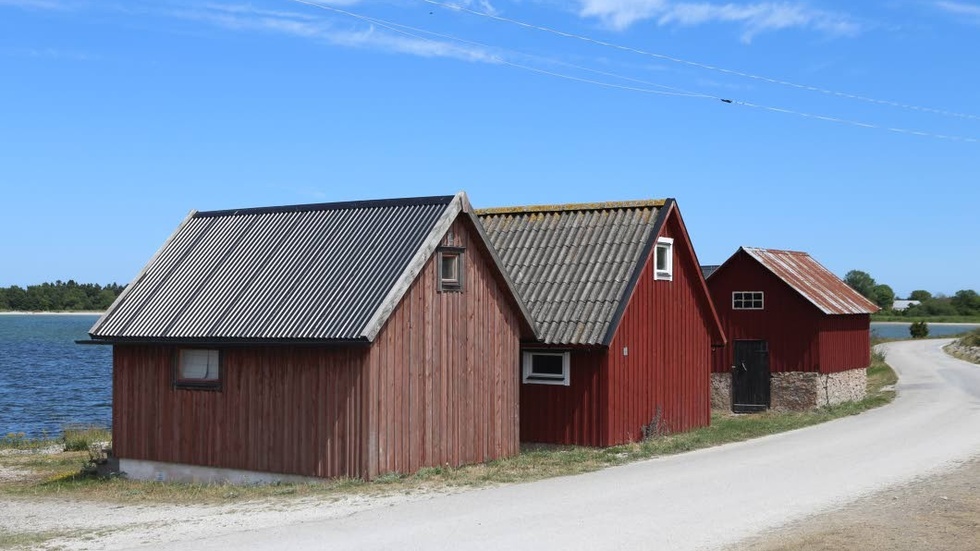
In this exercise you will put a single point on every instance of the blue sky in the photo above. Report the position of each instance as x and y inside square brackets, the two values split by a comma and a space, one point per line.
[853, 131]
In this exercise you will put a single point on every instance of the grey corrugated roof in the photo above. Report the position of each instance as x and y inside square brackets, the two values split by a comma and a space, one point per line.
[308, 272]
[572, 264]
[814, 282]
[707, 270]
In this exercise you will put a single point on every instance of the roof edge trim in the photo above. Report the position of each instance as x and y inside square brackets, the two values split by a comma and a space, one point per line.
[373, 203]
[666, 208]
[498, 265]
[122, 296]
[414, 268]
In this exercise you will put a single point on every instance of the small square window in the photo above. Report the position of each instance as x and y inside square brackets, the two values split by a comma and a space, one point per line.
[450, 266]
[664, 268]
[546, 368]
[747, 300]
[198, 368]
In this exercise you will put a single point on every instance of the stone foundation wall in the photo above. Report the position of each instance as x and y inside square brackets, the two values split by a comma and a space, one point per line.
[846, 386]
[721, 391]
[797, 390]
[793, 391]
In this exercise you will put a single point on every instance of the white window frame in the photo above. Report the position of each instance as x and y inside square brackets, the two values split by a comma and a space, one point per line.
[212, 372]
[664, 273]
[530, 378]
[750, 298]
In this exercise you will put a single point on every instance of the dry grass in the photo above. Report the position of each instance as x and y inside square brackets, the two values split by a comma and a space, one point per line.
[62, 474]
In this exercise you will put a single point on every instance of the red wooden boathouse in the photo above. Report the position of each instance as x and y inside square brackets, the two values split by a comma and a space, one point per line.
[799, 337]
[341, 339]
[625, 320]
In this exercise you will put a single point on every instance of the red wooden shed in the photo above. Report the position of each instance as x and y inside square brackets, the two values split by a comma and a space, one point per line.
[340, 339]
[624, 316]
[799, 337]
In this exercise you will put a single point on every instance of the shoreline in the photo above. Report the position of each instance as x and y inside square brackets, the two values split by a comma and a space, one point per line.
[52, 313]
[928, 322]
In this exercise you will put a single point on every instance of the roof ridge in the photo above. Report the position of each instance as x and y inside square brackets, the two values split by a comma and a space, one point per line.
[776, 250]
[360, 204]
[571, 207]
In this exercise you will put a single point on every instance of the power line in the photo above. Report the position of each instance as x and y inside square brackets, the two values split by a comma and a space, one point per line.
[705, 66]
[418, 34]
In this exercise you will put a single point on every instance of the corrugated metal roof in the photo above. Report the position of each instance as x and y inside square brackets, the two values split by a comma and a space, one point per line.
[814, 282]
[309, 272]
[572, 264]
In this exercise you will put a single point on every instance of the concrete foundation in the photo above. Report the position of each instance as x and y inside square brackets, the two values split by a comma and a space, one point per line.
[797, 390]
[159, 471]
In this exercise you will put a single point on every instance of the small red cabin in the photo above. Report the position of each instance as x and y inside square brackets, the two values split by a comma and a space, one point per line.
[625, 320]
[339, 339]
[798, 336]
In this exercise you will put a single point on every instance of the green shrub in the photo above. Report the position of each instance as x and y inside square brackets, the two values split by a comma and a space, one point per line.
[78, 438]
[919, 330]
[971, 339]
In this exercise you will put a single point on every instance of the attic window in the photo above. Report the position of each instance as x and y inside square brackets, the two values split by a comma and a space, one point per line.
[198, 368]
[450, 265]
[747, 300]
[546, 367]
[665, 259]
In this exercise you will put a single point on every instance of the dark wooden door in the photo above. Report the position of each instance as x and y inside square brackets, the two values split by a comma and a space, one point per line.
[750, 377]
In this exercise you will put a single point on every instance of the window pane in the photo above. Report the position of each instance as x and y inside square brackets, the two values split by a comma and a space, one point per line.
[199, 364]
[547, 364]
[662, 252]
[449, 267]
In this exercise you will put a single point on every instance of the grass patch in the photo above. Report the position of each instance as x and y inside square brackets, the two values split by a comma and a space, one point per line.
[965, 348]
[26, 540]
[61, 473]
[82, 437]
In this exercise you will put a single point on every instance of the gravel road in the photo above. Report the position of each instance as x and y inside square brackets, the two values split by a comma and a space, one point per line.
[758, 494]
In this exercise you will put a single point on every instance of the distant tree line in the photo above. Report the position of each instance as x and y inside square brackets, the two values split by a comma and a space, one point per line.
[59, 296]
[965, 302]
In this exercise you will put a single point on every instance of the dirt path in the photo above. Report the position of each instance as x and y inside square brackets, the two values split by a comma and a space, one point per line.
[940, 512]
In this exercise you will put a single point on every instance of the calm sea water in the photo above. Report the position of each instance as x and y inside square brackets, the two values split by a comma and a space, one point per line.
[46, 380]
[901, 330]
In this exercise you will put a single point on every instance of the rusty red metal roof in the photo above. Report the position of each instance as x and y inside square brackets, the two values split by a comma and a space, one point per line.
[814, 282]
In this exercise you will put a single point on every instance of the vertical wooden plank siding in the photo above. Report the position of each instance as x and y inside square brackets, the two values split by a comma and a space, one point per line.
[573, 414]
[845, 342]
[444, 371]
[279, 409]
[664, 376]
[788, 322]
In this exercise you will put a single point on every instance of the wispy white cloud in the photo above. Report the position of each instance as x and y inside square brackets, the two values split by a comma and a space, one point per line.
[244, 17]
[753, 18]
[969, 11]
[39, 4]
[48, 53]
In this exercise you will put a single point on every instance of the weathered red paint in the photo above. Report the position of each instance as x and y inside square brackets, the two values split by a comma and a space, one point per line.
[438, 386]
[663, 378]
[800, 336]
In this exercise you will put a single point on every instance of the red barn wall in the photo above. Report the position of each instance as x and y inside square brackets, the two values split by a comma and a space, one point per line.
[667, 330]
[845, 342]
[438, 386]
[789, 322]
[443, 372]
[279, 409]
[573, 414]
